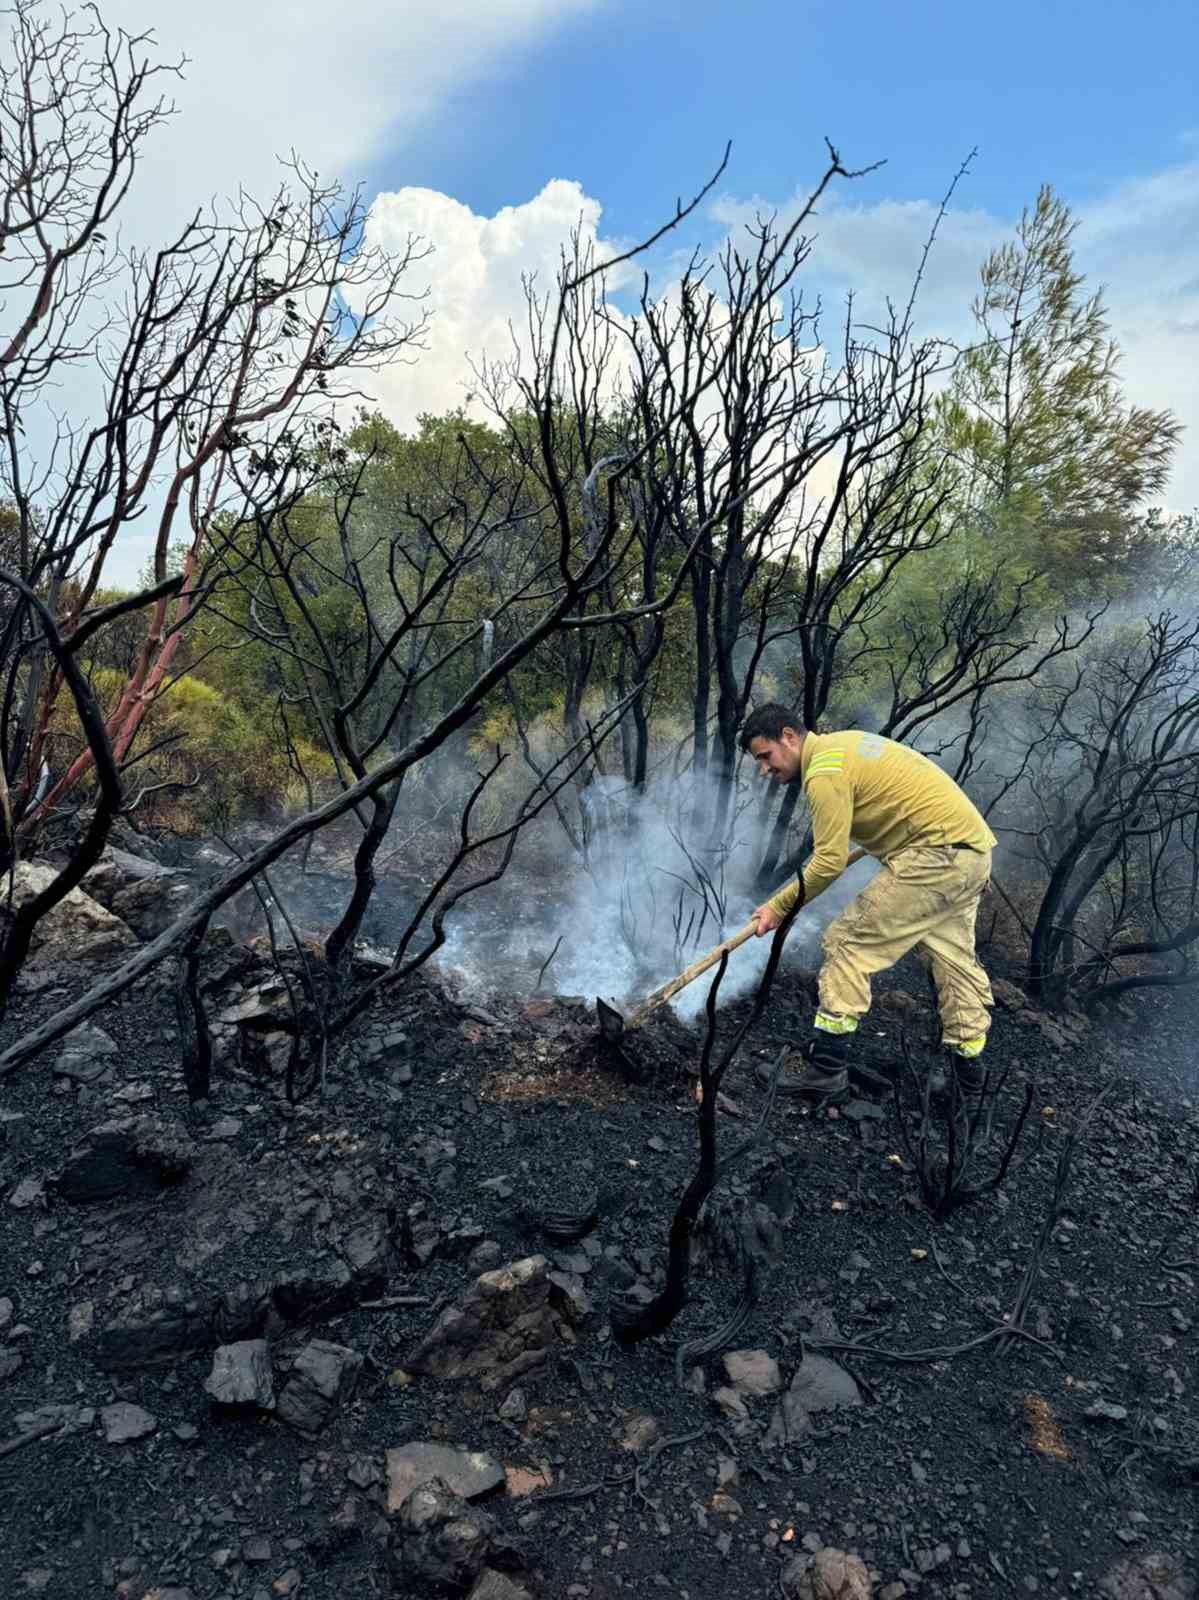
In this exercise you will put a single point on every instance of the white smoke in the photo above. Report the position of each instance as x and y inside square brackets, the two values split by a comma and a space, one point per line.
[648, 902]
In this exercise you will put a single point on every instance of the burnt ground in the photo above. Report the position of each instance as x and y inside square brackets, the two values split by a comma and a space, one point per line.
[1018, 1468]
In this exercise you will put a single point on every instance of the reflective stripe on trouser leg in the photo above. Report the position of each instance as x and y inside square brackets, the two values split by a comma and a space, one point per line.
[969, 1048]
[926, 895]
[826, 1022]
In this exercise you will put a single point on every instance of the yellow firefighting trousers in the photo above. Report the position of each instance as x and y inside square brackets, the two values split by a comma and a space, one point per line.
[925, 896]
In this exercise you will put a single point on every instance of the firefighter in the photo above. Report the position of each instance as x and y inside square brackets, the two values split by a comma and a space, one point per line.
[935, 851]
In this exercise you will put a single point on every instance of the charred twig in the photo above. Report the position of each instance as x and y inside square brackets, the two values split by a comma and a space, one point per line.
[662, 1310]
[1065, 1165]
[708, 1344]
[615, 1480]
[656, 1449]
[195, 1039]
[941, 1268]
[38, 1431]
[1012, 1327]
[938, 1353]
[301, 1015]
[544, 968]
[15, 943]
[945, 1181]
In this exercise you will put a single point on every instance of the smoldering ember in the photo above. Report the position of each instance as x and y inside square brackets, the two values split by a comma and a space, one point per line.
[377, 1216]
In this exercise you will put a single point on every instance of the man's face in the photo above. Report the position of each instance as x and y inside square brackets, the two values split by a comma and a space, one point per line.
[778, 759]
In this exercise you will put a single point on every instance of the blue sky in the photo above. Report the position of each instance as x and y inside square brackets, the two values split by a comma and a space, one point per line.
[491, 127]
[636, 100]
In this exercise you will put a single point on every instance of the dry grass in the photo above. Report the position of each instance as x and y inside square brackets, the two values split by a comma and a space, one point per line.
[1044, 1433]
[524, 1087]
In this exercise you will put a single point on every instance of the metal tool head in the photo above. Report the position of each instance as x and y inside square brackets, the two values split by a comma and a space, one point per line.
[611, 1022]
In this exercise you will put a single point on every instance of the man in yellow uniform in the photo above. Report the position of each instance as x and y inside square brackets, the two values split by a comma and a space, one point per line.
[935, 851]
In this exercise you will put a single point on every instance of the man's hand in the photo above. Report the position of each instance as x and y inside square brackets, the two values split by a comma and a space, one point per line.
[768, 919]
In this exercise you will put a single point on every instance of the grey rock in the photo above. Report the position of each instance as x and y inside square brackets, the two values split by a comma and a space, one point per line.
[128, 1157]
[639, 1433]
[365, 1248]
[124, 1422]
[118, 869]
[731, 1403]
[80, 1319]
[573, 1262]
[126, 1343]
[6, 1310]
[86, 1054]
[257, 1550]
[1105, 1411]
[505, 1326]
[69, 1419]
[1155, 1576]
[264, 1004]
[322, 1379]
[363, 1471]
[753, 1371]
[424, 1240]
[863, 1111]
[10, 1363]
[151, 905]
[81, 1069]
[27, 1193]
[322, 1290]
[241, 1375]
[493, 1585]
[1007, 996]
[266, 1054]
[77, 929]
[439, 1539]
[827, 1574]
[789, 1422]
[468, 1474]
[822, 1385]
[484, 1256]
[818, 1385]
[515, 1408]
[575, 1298]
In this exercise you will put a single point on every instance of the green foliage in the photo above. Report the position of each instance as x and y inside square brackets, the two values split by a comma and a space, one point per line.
[220, 759]
[1054, 464]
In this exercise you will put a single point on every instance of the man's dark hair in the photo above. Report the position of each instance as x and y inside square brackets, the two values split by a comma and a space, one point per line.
[768, 722]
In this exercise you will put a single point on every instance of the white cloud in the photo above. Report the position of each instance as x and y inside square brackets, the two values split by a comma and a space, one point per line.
[475, 277]
[1140, 243]
[266, 77]
[1135, 242]
[335, 85]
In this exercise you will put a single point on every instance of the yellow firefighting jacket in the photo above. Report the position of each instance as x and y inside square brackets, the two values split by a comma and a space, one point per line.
[885, 796]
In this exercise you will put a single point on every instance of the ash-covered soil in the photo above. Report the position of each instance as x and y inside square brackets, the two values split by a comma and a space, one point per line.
[1049, 1464]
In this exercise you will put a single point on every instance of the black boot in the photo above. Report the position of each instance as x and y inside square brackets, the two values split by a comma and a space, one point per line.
[824, 1080]
[966, 1096]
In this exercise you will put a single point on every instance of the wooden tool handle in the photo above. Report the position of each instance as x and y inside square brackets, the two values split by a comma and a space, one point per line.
[689, 974]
